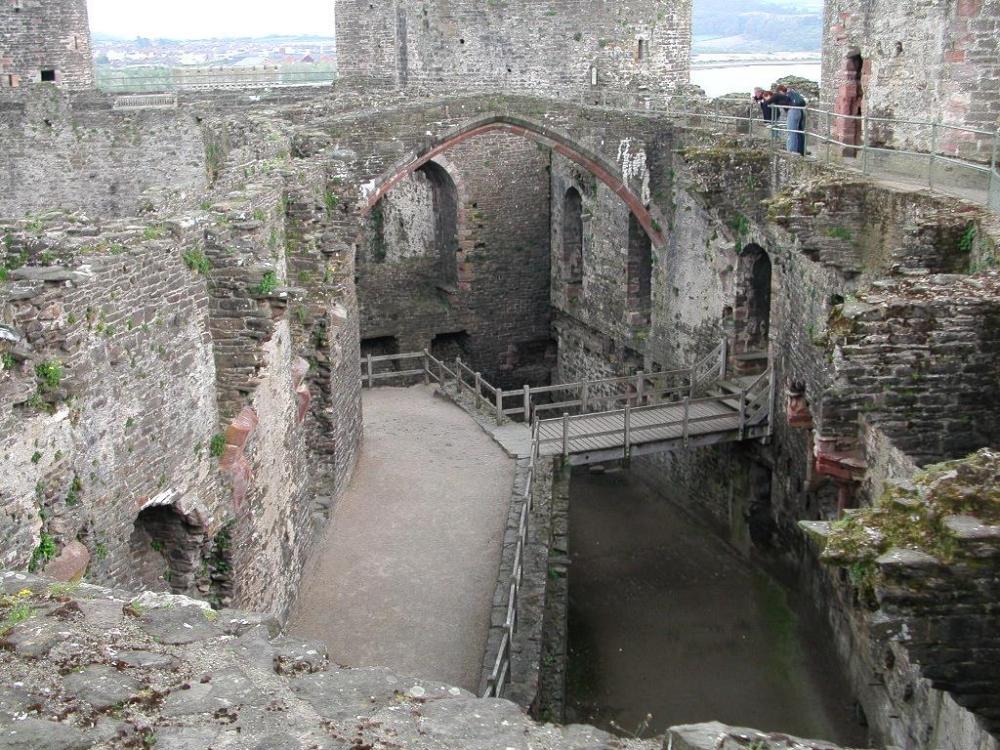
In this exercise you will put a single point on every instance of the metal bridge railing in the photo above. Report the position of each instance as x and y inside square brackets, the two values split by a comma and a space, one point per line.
[681, 422]
[530, 403]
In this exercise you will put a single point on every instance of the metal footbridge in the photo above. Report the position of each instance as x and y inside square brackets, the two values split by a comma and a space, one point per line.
[740, 412]
[611, 419]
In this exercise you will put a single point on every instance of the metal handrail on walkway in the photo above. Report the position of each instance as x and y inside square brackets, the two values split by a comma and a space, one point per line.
[940, 146]
[586, 396]
[500, 674]
[755, 403]
[172, 79]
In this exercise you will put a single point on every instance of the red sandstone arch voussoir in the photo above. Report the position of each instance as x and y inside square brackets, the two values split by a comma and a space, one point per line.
[561, 144]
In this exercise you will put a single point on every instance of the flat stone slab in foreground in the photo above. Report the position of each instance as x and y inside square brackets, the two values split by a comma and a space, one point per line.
[89, 668]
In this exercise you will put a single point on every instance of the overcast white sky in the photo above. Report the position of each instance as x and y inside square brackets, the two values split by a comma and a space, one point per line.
[194, 19]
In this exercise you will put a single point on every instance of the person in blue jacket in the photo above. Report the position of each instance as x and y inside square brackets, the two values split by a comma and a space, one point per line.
[796, 125]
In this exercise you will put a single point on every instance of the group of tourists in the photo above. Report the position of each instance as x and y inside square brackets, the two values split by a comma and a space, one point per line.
[781, 97]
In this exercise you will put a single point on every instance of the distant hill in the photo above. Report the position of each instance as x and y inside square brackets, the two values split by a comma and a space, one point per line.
[758, 26]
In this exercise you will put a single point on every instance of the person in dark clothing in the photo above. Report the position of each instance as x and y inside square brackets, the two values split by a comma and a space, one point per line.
[763, 97]
[786, 97]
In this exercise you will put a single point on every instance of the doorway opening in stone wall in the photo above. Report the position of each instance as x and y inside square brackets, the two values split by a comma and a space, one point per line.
[529, 362]
[572, 250]
[166, 548]
[380, 346]
[752, 311]
[449, 346]
[639, 273]
[849, 103]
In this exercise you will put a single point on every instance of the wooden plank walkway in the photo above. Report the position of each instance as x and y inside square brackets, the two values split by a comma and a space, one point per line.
[601, 437]
[593, 436]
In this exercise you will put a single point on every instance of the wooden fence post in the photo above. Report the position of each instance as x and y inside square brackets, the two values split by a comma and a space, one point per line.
[427, 369]
[565, 426]
[499, 406]
[640, 387]
[371, 376]
[527, 404]
[584, 397]
[687, 417]
[479, 390]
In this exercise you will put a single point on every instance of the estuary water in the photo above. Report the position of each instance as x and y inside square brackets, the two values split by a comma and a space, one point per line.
[728, 79]
[666, 619]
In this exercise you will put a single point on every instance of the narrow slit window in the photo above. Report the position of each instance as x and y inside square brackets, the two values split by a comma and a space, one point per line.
[48, 76]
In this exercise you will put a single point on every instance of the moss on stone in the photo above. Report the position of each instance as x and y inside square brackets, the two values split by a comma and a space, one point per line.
[913, 517]
[727, 152]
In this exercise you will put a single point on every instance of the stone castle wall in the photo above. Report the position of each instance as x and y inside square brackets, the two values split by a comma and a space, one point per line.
[491, 304]
[45, 40]
[108, 396]
[76, 153]
[267, 247]
[918, 359]
[834, 255]
[922, 61]
[237, 386]
[553, 45]
[920, 597]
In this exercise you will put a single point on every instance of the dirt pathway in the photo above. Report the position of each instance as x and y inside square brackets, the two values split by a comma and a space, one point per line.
[404, 577]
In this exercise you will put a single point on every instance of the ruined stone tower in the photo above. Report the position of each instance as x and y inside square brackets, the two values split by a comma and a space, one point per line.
[45, 41]
[936, 60]
[554, 45]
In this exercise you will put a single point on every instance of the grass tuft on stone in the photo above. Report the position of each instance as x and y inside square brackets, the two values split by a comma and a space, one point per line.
[914, 517]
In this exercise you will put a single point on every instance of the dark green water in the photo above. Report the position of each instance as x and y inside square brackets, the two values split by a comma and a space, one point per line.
[666, 619]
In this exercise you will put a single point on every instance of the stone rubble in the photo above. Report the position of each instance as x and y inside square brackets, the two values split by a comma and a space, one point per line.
[91, 668]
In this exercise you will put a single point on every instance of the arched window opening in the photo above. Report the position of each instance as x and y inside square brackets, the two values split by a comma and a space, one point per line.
[167, 550]
[639, 273]
[572, 241]
[417, 221]
[445, 201]
[753, 309]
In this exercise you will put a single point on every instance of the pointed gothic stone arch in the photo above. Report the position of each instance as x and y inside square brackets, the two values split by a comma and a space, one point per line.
[597, 165]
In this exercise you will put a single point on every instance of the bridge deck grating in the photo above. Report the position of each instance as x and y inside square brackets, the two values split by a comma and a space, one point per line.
[664, 423]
